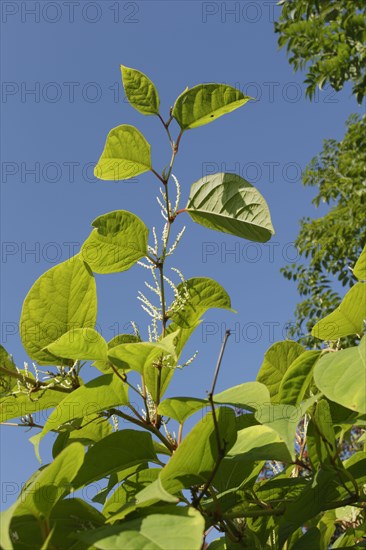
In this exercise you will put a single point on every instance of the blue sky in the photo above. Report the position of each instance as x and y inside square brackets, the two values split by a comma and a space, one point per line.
[61, 94]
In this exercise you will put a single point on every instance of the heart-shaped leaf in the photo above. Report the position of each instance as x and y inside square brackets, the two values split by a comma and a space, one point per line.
[61, 299]
[205, 103]
[140, 91]
[341, 376]
[126, 154]
[347, 319]
[118, 241]
[228, 203]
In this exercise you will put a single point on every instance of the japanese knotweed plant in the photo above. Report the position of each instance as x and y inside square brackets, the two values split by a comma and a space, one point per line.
[266, 465]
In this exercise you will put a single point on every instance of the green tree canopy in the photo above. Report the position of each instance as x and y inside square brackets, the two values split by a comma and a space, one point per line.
[328, 38]
[330, 245]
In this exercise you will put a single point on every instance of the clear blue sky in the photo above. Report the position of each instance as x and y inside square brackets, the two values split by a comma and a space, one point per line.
[69, 55]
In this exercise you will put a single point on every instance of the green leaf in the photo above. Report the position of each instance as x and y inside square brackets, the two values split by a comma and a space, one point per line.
[198, 295]
[87, 431]
[7, 364]
[250, 396]
[259, 443]
[359, 270]
[311, 539]
[316, 496]
[126, 154]
[192, 463]
[67, 517]
[152, 493]
[180, 408]
[100, 394]
[5, 520]
[283, 419]
[228, 203]
[126, 492]
[19, 404]
[61, 299]
[156, 531]
[297, 378]
[276, 362]
[80, 344]
[347, 319]
[206, 102]
[52, 483]
[114, 453]
[321, 442]
[140, 356]
[118, 241]
[158, 387]
[341, 376]
[140, 91]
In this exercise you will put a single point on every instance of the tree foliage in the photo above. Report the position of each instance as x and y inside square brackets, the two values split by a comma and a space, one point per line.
[264, 465]
[328, 38]
[331, 244]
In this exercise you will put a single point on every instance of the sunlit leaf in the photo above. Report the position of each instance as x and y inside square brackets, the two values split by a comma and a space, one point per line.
[118, 241]
[205, 103]
[140, 91]
[126, 154]
[63, 298]
[228, 203]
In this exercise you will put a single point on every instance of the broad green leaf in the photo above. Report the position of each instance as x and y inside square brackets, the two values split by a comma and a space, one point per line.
[140, 91]
[250, 396]
[198, 295]
[128, 490]
[311, 539]
[180, 408]
[277, 360]
[102, 393]
[87, 431]
[348, 318]
[118, 241]
[156, 531]
[151, 375]
[116, 478]
[80, 344]
[259, 443]
[126, 154]
[297, 378]
[67, 517]
[283, 419]
[7, 382]
[19, 403]
[105, 366]
[141, 355]
[317, 496]
[341, 376]
[52, 483]
[5, 521]
[193, 461]
[114, 453]
[61, 299]
[359, 270]
[320, 440]
[152, 493]
[228, 203]
[206, 102]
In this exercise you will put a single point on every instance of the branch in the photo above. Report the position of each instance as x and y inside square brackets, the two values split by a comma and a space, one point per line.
[36, 385]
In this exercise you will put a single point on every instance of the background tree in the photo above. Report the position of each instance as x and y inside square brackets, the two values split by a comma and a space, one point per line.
[328, 38]
[339, 173]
